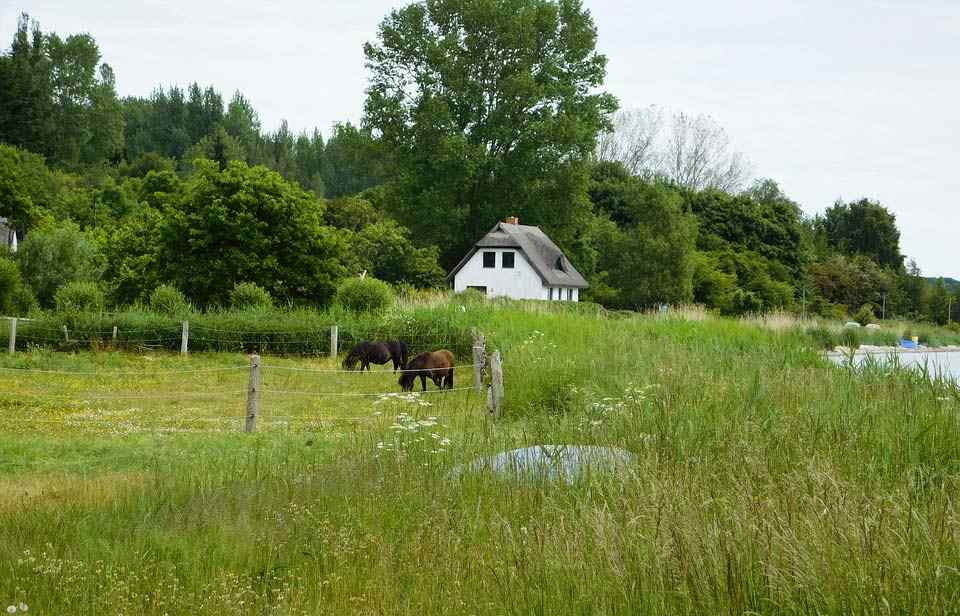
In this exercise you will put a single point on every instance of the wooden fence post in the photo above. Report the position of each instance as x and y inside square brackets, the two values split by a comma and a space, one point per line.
[114, 339]
[495, 392]
[184, 337]
[479, 355]
[334, 347]
[66, 335]
[253, 394]
[13, 336]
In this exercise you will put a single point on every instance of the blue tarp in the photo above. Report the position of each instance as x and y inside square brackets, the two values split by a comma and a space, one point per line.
[908, 344]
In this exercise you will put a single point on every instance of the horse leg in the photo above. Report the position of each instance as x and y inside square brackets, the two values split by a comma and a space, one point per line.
[449, 382]
[423, 382]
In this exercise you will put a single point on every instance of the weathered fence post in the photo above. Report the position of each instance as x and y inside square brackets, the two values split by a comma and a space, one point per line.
[479, 355]
[334, 347]
[114, 338]
[184, 337]
[12, 347]
[495, 392]
[66, 335]
[253, 394]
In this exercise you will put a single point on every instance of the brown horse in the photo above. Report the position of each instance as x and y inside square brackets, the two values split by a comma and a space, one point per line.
[438, 365]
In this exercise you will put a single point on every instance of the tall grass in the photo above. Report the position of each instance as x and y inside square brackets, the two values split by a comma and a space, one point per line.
[767, 482]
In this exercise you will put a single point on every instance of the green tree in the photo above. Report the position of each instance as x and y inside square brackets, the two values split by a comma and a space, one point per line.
[247, 224]
[27, 188]
[865, 228]
[26, 91]
[487, 109]
[385, 250]
[851, 282]
[352, 162]
[132, 255]
[55, 255]
[648, 255]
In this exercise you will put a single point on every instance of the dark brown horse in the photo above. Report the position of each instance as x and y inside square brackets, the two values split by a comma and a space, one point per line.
[367, 353]
[438, 365]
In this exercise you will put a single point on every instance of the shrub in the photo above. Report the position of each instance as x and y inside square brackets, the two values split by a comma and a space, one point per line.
[24, 301]
[9, 284]
[364, 295]
[850, 338]
[52, 257]
[79, 297]
[250, 295]
[168, 300]
[865, 315]
[823, 337]
[469, 296]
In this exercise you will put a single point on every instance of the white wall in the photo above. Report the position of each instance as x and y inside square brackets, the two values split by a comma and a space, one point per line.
[521, 282]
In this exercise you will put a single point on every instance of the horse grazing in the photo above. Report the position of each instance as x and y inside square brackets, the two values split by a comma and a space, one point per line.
[438, 365]
[367, 353]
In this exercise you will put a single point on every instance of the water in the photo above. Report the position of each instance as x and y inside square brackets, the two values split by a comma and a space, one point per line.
[946, 363]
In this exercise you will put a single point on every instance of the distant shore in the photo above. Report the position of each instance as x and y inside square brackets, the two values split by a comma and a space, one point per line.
[869, 349]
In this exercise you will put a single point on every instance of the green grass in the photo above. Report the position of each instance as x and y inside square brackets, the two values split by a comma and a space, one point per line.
[768, 481]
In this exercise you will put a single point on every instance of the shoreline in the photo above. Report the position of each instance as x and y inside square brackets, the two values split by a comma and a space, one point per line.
[868, 349]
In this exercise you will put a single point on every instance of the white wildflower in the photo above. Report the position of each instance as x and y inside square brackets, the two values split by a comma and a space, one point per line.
[24, 607]
[11, 609]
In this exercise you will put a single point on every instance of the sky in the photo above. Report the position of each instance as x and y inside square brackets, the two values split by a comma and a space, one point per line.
[833, 99]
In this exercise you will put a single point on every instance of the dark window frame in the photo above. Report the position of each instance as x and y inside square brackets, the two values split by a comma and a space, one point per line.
[492, 260]
[503, 259]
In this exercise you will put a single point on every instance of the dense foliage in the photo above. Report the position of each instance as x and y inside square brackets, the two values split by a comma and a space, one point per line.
[475, 111]
[364, 295]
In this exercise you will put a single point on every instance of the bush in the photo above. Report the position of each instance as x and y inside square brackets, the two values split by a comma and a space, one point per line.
[823, 337]
[250, 295]
[9, 284]
[168, 300]
[79, 297]
[24, 302]
[850, 338]
[865, 315]
[52, 257]
[364, 295]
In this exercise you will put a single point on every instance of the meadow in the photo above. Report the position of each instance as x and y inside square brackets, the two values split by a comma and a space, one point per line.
[768, 481]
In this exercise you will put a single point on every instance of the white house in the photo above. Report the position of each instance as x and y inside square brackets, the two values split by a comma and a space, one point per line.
[521, 262]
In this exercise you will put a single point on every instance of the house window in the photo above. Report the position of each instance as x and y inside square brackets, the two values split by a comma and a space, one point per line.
[489, 259]
[550, 293]
[569, 295]
[507, 260]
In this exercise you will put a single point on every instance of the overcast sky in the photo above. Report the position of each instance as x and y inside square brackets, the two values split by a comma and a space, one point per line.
[831, 98]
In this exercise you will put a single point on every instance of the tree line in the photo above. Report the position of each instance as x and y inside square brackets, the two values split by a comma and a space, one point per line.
[474, 111]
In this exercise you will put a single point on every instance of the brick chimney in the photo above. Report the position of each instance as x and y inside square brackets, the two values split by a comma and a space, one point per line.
[512, 220]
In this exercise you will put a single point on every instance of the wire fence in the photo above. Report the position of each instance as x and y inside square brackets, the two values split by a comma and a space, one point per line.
[317, 339]
[214, 398]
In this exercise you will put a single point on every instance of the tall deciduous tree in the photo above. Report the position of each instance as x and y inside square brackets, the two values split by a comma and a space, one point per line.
[864, 228]
[487, 108]
[247, 224]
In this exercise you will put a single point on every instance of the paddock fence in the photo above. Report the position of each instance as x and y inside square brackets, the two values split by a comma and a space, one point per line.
[185, 336]
[166, 394]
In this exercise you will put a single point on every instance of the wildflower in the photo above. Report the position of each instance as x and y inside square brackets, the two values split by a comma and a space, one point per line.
[24, 607]
[11, 609]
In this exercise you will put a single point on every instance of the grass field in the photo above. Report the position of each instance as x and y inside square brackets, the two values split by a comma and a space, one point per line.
[768, 481]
